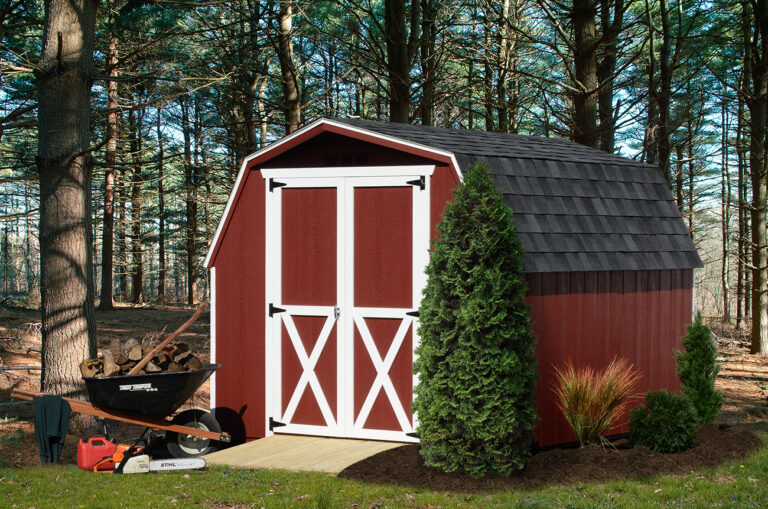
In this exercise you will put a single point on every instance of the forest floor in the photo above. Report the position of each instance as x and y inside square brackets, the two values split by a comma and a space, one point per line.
[743, 379]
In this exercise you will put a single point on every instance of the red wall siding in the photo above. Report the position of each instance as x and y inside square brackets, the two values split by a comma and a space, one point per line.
[592, 317]
[239, 266]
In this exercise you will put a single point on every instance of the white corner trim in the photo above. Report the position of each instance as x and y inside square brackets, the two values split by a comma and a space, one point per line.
[313, 125]
[213, 336]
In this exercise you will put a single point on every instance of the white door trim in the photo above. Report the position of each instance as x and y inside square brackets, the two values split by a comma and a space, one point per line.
[345, 180]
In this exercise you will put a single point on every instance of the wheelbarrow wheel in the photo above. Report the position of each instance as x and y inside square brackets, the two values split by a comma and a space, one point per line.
[187, 446]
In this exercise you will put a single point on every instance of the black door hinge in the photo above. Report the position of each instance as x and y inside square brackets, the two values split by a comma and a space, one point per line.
[274, 424]
[421, 182]
[273, 310]
[413, 313]
[273, 184]
[413, 434]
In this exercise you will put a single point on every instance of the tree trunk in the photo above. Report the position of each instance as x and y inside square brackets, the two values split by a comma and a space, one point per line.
[191, 205]
[429, 9]
[122, 247]
[725, 192]
[137, 262]
[489, 100]
[742, 212]
[606, 69]
[679, 175]
[290, 81]
[63, 86]
[585, 68]
[504, 58]
[106, 302]
[691, 178]
[398, 63]
[756, 71]
[665, 92]
[160, 210]
[650, 143]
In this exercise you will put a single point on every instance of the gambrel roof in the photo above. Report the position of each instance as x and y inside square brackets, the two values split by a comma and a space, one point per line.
[575, 208]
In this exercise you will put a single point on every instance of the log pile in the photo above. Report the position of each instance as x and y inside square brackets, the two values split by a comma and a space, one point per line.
[121, 357]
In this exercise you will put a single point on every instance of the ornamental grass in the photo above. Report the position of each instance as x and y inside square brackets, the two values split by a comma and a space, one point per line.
[592, 401]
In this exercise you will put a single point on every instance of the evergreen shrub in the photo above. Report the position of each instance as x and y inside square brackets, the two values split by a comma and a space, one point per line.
[697, 368]
[667, 425]
[476, 362]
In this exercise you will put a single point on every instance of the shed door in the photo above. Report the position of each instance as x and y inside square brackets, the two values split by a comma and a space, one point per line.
[345, 273]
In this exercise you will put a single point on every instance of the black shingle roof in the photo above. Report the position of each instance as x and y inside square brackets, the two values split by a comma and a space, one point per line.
[576, 208]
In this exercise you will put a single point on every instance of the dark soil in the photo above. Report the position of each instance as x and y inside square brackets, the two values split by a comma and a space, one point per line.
[403, 466]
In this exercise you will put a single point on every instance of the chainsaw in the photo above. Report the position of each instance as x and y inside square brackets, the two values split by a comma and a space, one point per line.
[131, 459]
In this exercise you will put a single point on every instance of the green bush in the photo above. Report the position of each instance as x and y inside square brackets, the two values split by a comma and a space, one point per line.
[476, 362]
[592, 401]
[697, 369]
[667, 424]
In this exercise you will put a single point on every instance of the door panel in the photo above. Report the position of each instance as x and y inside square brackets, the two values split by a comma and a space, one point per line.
[383, 247]
[307, 378]
[309, 256]
[308, 410]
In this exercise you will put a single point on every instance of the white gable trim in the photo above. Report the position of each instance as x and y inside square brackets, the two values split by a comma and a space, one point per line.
[300, 132]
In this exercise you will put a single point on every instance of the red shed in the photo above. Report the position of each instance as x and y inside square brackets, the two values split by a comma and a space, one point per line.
[317, 268]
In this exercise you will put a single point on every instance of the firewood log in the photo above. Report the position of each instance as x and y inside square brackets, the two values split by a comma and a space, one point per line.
[128, 344]
[151, 367]
[110, 367]
[175, 367]
[115, 347]
[90, 367]
[180, 358]
[135, 354]
[161, 360]
[193, 363]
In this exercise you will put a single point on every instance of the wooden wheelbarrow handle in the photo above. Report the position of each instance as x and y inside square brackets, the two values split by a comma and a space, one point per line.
[143, 362]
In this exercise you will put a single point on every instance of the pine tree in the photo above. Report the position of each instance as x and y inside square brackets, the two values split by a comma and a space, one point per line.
[697, 369]
[476, 364]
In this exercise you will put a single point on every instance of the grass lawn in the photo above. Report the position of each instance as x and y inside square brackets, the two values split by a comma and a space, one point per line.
[740, 484]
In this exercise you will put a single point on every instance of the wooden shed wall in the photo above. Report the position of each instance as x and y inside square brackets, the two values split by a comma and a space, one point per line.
[592, 317]
[239, 271]
[239, 309]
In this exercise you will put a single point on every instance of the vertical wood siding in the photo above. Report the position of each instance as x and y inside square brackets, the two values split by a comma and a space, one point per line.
[592, 317]
[240, 316]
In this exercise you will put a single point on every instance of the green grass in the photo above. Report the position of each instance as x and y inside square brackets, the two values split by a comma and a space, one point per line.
[740, 484]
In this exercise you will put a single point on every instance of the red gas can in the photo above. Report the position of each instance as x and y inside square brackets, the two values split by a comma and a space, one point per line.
[92, 451]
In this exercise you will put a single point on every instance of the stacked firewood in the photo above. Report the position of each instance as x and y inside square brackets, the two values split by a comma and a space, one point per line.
[121, 357]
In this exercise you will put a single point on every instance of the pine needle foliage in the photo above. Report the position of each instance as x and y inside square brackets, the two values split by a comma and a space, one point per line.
[476, 362]
[697, 368]
[593, 401]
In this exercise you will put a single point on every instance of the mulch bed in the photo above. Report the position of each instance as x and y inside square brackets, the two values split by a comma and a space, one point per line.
[403, 466]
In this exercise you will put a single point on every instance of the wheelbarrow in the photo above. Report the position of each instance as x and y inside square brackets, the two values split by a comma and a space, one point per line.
[149, 400]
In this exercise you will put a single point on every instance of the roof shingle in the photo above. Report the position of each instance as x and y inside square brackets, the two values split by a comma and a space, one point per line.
[575, 208]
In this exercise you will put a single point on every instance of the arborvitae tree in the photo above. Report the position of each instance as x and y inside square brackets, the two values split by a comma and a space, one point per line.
[476, 363]
[697, 369]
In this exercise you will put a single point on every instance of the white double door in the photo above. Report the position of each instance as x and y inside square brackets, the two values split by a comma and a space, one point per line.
[346, 250]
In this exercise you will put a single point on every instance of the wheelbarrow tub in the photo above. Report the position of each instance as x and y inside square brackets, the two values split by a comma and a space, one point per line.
[157, 394]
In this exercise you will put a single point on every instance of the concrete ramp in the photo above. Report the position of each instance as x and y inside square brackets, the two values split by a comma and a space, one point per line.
[299, 453]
